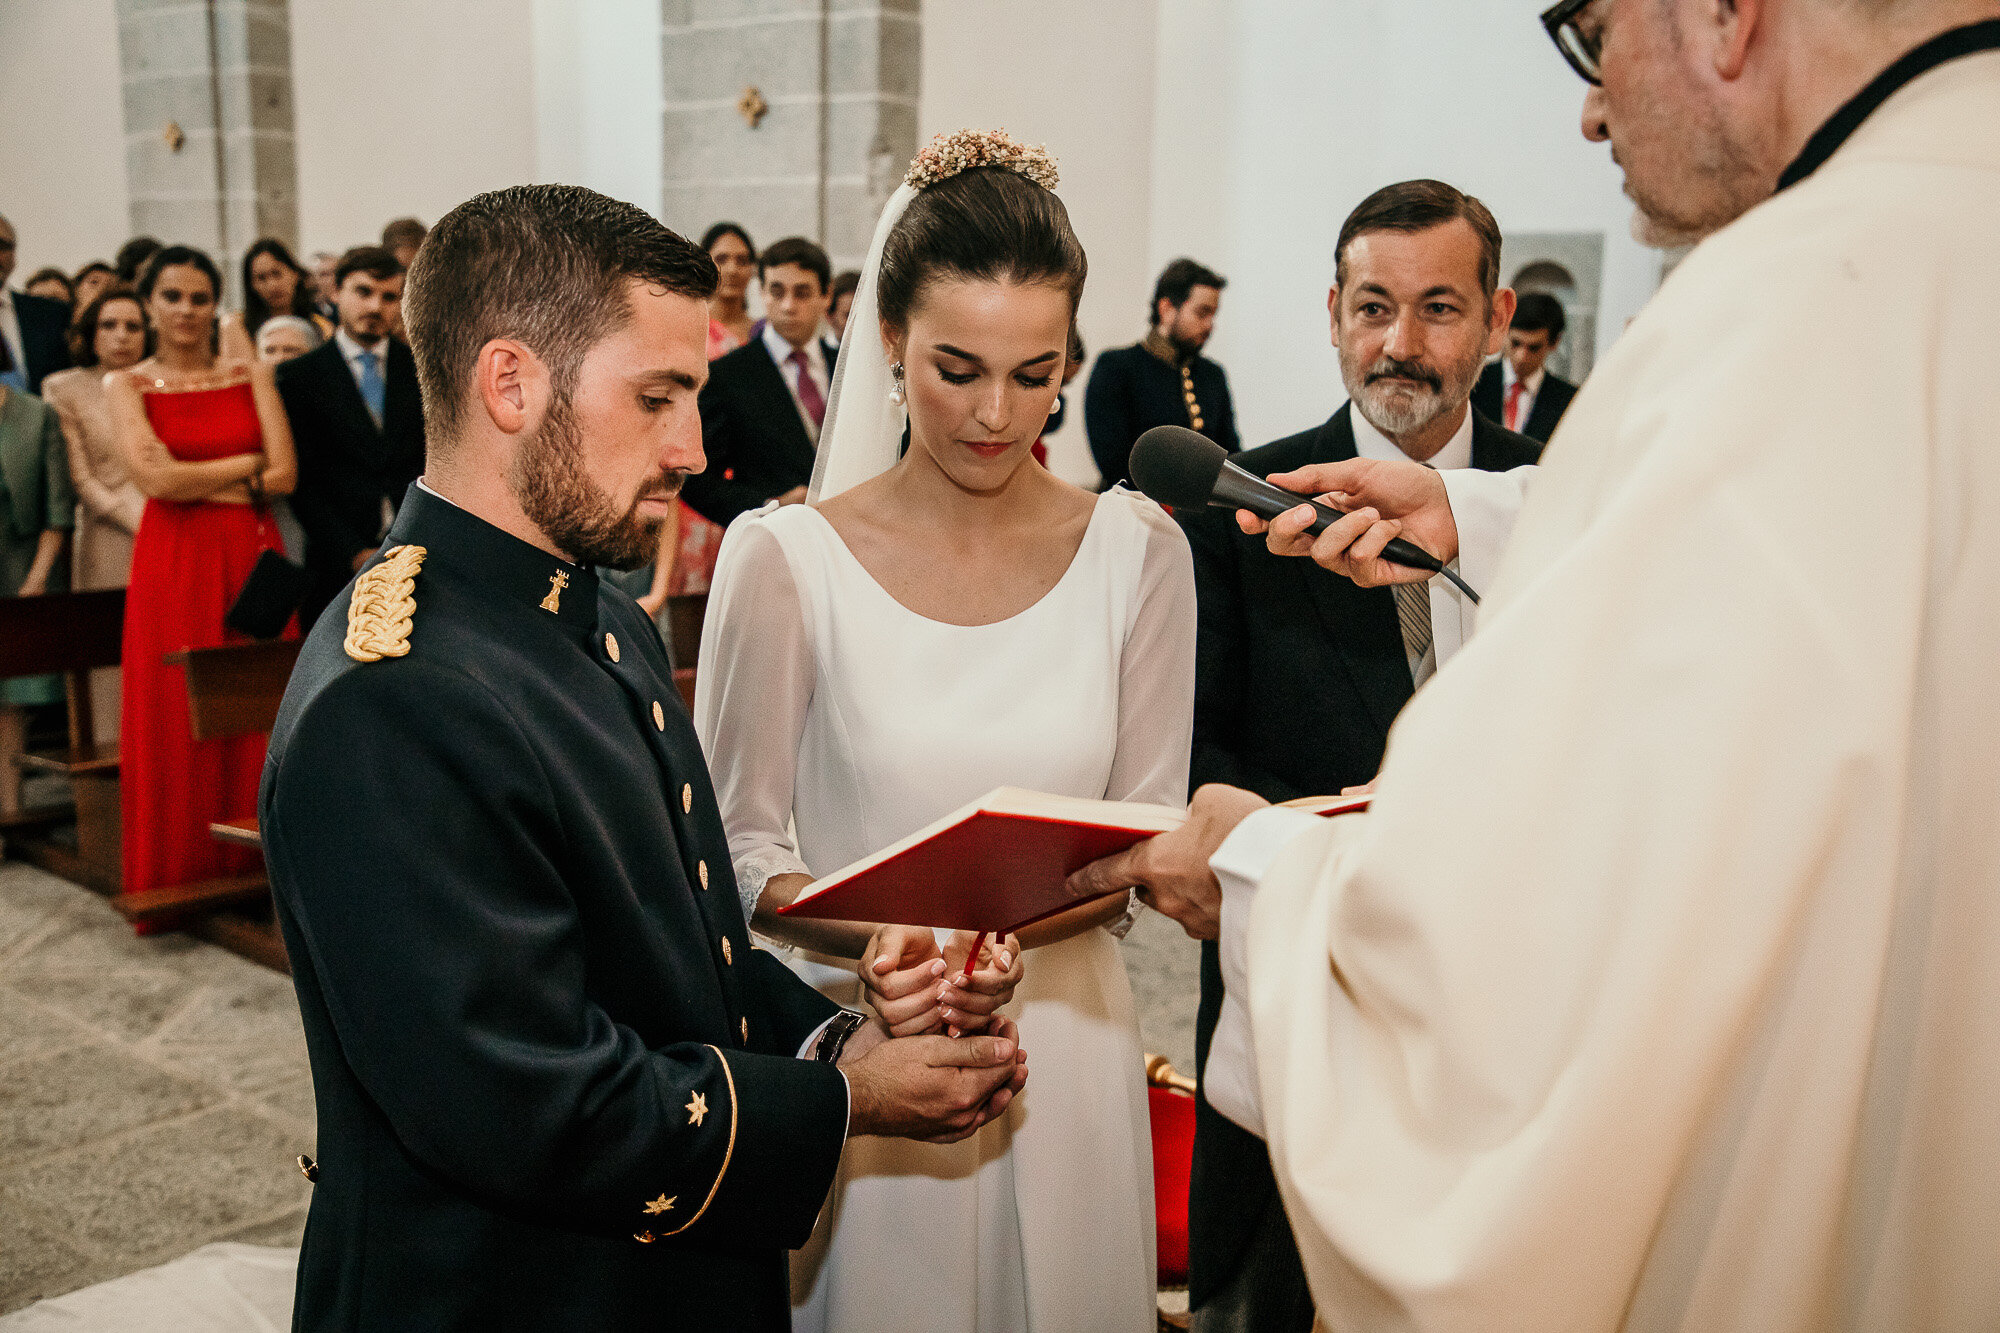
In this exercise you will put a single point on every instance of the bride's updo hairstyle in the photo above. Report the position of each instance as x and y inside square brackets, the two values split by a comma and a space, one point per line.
[985, 210]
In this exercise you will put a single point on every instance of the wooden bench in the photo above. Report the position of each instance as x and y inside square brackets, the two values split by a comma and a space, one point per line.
[233, 690]
[69, 634]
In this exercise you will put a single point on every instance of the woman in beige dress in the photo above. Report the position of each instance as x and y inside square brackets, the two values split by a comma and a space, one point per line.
[111, 334]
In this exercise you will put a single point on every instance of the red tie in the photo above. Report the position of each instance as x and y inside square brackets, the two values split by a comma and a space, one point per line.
[809, 396]
[1513, 406]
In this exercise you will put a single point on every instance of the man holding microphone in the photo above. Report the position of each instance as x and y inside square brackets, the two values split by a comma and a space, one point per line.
[1662, 996]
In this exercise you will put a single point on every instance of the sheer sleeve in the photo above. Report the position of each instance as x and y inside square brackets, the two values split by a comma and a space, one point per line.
[1156, 670]
[752, 687]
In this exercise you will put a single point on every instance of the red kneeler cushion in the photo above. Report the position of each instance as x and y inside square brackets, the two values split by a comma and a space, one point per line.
[1173, 1155]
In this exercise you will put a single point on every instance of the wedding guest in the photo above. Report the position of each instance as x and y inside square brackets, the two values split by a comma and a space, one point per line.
[358, 426]
[1163, 380]
[109, 336]
[273, 284]
[33, 329]
[735, 256]
[51, 284]
[762, 406]
[324, 262]
[1518, 390]
[92, 279]
[286, 338]
[844, 284]
[687, 559]
[132, 257]
[205, 438]
[401, 238]
[37, 511]
[927, 627]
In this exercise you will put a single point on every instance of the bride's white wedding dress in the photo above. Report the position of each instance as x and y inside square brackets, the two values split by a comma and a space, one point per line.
[830, 710]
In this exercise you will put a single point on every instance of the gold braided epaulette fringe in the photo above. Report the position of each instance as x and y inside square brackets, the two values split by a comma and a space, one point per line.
[383, 604]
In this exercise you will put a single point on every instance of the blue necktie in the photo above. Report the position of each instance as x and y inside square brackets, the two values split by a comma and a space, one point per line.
[373, 390]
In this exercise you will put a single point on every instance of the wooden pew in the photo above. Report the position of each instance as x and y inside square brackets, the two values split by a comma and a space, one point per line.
[69, 633]
[233, 690]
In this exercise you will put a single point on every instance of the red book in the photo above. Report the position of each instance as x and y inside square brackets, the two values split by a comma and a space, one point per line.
[995, 865]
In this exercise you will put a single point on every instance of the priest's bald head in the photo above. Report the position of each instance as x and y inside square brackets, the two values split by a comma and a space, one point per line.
[1705, 102]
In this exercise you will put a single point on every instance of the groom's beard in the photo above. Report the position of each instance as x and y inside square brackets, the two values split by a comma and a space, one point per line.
[548, 480]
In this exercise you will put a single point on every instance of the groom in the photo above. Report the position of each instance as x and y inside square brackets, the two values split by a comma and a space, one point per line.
[557, 1085]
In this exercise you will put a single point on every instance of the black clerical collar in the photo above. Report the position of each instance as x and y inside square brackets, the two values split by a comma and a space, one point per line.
[1968, 40]
[490, 559]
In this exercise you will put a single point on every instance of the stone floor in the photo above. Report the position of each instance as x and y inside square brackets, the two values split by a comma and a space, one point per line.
[154, 1092]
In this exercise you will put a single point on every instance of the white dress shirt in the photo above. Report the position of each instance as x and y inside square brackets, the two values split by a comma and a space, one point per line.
[1530, 387]
[781, 352]
[10, 329]
[1451, 613]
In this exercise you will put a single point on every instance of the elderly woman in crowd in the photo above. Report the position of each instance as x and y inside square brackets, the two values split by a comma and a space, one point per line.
[37, 511]
[110, 334]
[284, 337]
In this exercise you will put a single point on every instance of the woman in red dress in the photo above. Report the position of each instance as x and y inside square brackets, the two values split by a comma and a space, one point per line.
[206, 440]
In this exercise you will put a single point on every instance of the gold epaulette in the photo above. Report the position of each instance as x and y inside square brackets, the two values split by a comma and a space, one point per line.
[383, 605]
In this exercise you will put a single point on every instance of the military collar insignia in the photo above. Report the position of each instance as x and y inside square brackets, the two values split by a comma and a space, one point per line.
[1840, 127]
[498, 563]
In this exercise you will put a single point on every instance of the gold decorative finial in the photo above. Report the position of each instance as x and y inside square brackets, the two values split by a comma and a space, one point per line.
[557, 582]
[380, 612]
[752, 107]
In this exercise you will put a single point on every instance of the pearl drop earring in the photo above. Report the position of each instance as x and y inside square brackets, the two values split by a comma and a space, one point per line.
[896, 387]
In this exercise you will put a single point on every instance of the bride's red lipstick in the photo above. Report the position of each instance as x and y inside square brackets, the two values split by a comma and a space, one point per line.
[988, 448]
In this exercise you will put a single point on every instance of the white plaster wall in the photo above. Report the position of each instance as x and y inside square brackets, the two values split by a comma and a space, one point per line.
[597, 97]
[408, 109]
[1080, 79]
[62, 144]
[1280, 115]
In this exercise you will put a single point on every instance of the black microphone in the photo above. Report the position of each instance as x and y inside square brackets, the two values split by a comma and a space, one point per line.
[1184, 470]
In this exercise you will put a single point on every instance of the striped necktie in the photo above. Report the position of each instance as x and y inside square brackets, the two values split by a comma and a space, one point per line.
[1413, 612]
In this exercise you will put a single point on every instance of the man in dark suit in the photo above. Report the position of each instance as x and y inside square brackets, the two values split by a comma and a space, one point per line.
[762, 407]
[1518, 391]
[1163, 379]
[32, 328]
[358, 425]
[1299, 672]
[557, 1085]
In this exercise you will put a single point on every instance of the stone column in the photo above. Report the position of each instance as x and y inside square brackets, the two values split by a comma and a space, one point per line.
[209, 147]
[834, 112]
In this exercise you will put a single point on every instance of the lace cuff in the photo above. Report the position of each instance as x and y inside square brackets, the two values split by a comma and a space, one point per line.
[754, 871]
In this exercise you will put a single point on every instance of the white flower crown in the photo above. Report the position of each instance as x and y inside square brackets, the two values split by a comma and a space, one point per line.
[962, 150]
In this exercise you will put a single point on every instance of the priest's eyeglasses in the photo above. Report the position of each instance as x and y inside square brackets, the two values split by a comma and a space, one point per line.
[1581, 49]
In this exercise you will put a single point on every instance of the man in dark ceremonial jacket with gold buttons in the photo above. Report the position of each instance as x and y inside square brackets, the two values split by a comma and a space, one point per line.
[557, 1086]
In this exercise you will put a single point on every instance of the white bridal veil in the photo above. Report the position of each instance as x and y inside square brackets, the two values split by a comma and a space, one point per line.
[863, 428]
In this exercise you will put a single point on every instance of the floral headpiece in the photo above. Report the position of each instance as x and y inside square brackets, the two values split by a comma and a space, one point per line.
[962, 150]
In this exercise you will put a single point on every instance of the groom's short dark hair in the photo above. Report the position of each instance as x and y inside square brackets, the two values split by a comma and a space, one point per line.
[544, 264]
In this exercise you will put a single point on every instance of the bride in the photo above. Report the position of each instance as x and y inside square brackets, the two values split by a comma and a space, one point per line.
[935, 622]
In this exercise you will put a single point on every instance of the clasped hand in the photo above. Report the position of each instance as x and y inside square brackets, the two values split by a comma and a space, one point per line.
[918, 987]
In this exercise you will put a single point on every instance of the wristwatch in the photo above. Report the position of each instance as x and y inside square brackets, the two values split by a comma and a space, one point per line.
[834, 1039]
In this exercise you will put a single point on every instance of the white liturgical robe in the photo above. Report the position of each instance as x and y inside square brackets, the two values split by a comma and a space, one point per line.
[1660, 989]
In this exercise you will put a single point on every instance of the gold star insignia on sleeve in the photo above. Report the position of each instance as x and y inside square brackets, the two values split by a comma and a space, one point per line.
[697, 1108]
[660, 1205]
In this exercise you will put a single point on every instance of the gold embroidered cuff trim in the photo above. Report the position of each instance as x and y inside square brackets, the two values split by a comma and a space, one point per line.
[727, 1152]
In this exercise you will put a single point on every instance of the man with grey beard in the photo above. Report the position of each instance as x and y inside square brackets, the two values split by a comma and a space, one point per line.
[1299, 671]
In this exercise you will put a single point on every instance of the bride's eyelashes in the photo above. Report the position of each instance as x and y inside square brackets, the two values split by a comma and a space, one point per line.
[1025, 381]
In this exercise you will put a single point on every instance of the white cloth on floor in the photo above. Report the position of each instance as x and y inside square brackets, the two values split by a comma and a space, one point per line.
[222, 1288]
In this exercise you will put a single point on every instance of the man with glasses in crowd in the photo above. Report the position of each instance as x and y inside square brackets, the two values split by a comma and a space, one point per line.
[1662, 996]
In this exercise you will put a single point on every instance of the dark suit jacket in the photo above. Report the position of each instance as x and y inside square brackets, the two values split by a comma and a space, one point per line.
[1131, 391]
[756, 445]
[1551, 401]
[44, 346]
[556, 1084]
[1298, 674]
[347, 465]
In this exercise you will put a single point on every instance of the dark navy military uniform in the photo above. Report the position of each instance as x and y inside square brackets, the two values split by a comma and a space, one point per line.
[557, 1087]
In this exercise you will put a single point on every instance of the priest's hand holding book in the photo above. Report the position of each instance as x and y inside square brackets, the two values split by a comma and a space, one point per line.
[918, 987]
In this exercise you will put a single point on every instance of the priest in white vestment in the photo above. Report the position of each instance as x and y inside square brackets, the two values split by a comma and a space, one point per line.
[1660, 988]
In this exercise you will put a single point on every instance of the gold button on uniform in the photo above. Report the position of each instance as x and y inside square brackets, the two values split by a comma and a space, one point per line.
[659, 716]
[687, 795]
[611, 646]
[727, 955]
[701, 872]
[744, 1028]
